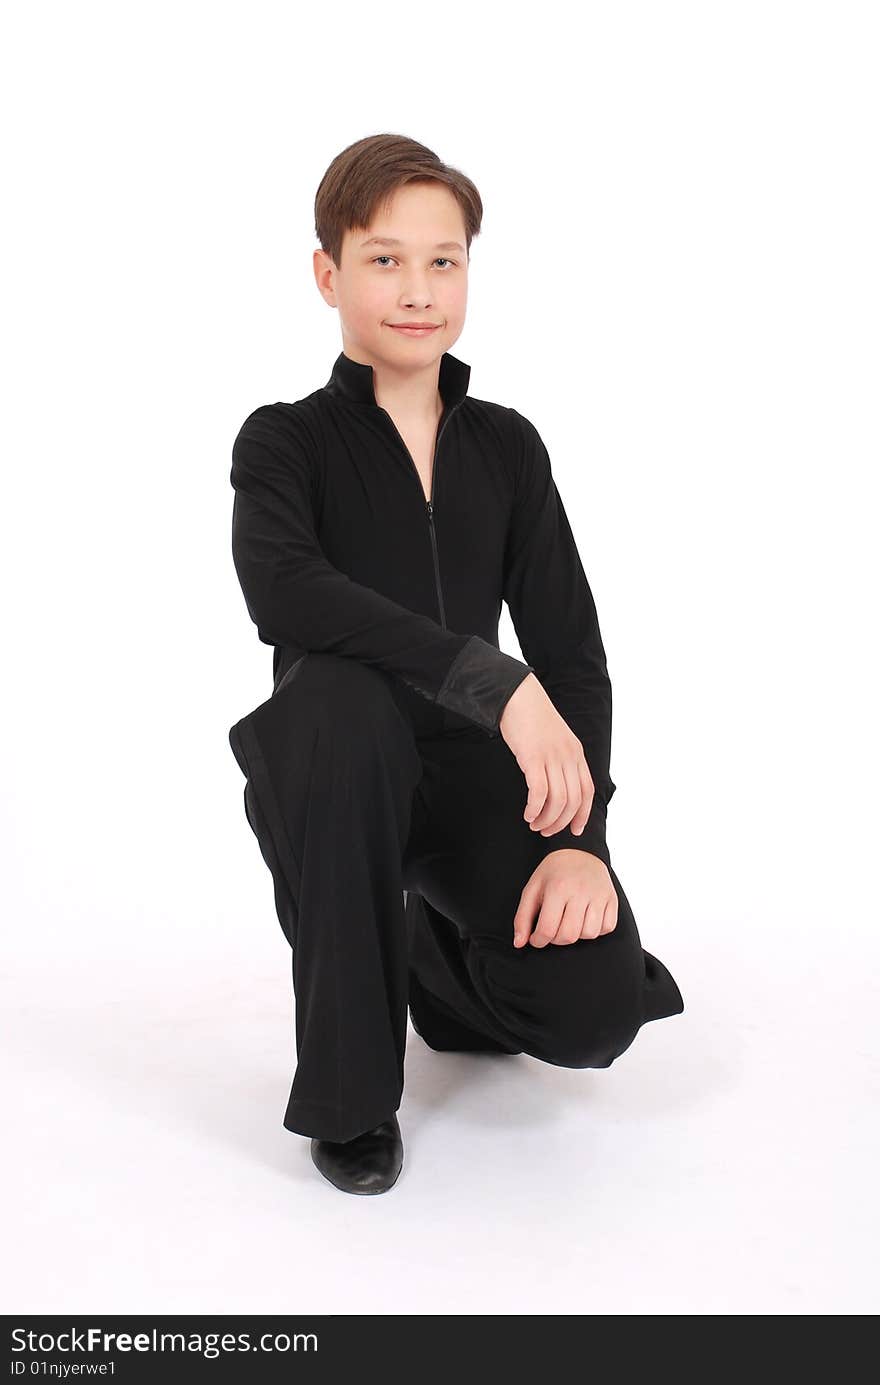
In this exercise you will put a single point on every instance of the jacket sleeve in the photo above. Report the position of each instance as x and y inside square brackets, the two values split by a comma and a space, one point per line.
[554, 615]
[296, 597]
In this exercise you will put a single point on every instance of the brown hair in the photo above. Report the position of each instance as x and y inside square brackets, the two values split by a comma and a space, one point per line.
[364, 175]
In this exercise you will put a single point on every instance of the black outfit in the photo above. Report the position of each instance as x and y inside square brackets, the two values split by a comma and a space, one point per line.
[376, 771]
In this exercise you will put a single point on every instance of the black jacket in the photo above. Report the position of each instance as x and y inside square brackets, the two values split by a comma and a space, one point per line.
[337, 550]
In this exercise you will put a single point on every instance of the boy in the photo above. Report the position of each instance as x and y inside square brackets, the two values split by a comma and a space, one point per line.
[377, 525]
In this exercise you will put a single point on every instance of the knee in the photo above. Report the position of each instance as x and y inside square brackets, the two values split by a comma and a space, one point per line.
[344, 683]
[350, 696]
[590, 1045]
[583, 1014]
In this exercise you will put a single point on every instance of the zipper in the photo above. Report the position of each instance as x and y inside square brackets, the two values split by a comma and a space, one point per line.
[434, 546]
[430, 501]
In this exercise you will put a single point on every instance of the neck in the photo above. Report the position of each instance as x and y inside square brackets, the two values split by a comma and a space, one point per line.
[414, 395]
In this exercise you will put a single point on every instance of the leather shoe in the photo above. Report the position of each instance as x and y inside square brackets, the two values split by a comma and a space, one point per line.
[370, 1163]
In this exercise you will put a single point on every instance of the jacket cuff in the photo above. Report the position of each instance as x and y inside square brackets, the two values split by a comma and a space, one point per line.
[481, 681]
[592, 839]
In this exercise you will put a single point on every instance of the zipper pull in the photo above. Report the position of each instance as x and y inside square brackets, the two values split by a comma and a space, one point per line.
[430, 509]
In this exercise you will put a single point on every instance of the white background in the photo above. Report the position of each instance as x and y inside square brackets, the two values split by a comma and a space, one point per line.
[677, 281]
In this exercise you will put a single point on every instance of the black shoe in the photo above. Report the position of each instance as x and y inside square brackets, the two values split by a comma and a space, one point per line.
[370, 1163]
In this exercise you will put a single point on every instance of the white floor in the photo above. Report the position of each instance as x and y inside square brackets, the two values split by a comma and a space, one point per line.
[726, 1163]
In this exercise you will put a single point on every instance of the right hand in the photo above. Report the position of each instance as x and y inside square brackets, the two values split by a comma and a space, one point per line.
[552, 759]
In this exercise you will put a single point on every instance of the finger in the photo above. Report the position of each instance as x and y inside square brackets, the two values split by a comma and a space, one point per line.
[593, 919]
[555, 797]
[548, 922]
[524, 916]
[609, 920]
[581, 817]
[536, 778]
[571, 924]
[572, 799]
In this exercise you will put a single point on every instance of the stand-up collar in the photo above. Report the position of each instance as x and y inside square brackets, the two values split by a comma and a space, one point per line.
[354, 381]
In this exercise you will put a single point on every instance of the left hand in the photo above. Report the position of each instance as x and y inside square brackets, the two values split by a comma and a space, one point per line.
[576, 898]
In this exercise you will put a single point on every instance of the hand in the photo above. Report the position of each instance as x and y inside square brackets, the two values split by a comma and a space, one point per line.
[552, 759]
[576, 896]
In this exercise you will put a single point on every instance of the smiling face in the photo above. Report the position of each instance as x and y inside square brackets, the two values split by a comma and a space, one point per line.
[420, 278]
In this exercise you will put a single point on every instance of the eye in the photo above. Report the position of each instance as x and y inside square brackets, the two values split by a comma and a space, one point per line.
[439, 258]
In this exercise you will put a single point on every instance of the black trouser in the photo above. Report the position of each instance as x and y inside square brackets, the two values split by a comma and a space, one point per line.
[395, 836]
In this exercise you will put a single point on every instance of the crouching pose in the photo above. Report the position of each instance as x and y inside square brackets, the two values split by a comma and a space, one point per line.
[432, 809]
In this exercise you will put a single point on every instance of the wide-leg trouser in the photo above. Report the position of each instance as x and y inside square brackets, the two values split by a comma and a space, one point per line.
[396, 841]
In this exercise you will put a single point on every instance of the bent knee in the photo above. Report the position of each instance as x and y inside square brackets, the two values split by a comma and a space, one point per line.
[590, 1046]
[591, 1029]
[571, 1011]
[354, 696]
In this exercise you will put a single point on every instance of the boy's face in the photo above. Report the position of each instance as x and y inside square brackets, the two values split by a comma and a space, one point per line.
[423, 279]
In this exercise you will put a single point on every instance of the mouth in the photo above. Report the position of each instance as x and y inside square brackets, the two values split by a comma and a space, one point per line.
[414, 329]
